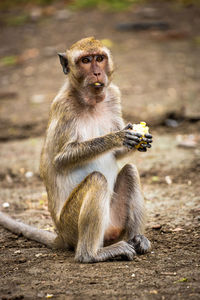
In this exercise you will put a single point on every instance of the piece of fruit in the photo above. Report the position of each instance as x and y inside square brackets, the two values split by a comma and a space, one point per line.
[142, 129]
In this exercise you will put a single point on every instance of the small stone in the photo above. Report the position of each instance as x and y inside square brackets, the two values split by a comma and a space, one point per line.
[22, 260]
[153, 292]
[171, 123]
[177, 229]
[6, 205]
[168, 180]
[156, 226]
[29, 174]
[38, 254]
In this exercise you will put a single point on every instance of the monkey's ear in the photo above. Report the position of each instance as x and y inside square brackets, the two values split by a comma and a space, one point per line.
[64, 62]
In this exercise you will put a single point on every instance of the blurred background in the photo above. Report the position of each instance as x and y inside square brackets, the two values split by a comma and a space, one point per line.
[156, 50]
[155, 47]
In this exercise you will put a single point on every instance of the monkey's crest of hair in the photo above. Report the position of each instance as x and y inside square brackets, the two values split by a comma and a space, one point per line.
[88, 45]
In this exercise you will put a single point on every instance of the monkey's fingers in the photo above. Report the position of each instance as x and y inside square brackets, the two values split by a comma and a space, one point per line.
[147, 140]
[146, 145]
[132, 137]
[133, 133]
[128, 126]
[130, 144]
[137, 134]
[148, 136]
[142, 149]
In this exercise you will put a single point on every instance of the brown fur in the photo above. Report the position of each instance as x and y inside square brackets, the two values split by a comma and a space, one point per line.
[87, 44]
[91, 202]
[80, 135]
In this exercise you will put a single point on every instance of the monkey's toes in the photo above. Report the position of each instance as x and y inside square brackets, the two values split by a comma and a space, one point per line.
[130, 252]
[140, 243]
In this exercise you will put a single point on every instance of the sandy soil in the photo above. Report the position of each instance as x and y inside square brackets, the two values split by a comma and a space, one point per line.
[158, 74]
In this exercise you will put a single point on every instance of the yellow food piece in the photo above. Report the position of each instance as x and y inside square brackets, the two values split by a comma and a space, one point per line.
[97, 83]
[142, 129]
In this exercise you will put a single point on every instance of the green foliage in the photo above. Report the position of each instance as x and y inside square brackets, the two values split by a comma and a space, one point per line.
[8, 4]
[8, 60]
[118, 5]
[113, 5]
[16, 20]
[182, 279]
[197, 40]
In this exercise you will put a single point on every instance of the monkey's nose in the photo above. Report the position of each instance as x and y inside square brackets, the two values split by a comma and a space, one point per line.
[97, 74]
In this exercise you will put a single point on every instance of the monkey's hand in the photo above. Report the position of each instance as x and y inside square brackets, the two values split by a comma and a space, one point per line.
[130, 138]
[147, 139]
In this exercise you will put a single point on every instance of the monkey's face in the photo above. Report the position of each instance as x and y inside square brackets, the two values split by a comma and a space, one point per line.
[92, 74]
[93, 70]
[89, 67]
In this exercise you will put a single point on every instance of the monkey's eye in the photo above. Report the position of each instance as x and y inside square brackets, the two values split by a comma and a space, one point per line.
[100, 58]
[85, 60]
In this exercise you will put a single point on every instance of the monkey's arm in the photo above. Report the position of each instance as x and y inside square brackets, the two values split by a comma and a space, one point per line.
[75, 152]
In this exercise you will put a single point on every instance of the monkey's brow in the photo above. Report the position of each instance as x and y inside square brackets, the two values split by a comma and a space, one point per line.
[93, 54]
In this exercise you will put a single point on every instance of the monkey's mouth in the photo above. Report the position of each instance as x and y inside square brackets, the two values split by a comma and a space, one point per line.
[97, 85]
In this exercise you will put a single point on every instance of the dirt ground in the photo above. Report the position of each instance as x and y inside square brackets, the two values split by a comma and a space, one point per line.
[158, 72]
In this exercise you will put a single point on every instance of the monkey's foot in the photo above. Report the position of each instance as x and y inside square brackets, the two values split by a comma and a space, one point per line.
[140, 243]
[121, 249]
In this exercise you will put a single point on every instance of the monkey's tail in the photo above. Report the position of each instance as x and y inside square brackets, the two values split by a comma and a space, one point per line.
[42, 236]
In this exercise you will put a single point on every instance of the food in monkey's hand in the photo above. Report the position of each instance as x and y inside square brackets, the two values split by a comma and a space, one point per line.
[146, 138]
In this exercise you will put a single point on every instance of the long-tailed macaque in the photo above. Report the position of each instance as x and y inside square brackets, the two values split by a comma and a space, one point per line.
[97, 209]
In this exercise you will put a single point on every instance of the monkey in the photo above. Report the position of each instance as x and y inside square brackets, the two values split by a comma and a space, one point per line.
[97, 209]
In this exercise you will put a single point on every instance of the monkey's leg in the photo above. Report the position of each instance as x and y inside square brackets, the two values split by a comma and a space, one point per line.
[85, 216]
[127, 208]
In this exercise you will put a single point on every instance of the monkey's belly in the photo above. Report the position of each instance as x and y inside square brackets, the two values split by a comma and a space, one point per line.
[106, 165]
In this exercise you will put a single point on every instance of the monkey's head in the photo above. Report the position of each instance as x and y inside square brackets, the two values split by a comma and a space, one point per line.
[89, 66]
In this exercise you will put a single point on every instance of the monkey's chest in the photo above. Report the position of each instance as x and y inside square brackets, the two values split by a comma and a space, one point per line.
[91, 127]
[105, 164]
